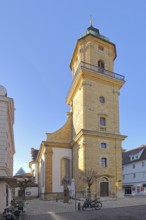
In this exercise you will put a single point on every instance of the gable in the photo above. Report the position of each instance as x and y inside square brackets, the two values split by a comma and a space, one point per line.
[137, 154]
[64, 134]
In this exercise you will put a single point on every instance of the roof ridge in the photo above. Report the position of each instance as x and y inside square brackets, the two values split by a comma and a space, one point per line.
[142, 146]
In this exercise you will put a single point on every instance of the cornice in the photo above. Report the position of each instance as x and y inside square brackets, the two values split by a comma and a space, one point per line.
[32, 162]
[75, 85]
[97, 134]
[56, 144]
[103, 78]
[40, 151]
[93, 76]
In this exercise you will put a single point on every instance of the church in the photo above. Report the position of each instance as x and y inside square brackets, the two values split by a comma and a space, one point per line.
[90, 139]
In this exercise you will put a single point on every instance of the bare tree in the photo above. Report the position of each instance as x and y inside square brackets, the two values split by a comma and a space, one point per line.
[88, 176]
[23, 183]
[65, 189]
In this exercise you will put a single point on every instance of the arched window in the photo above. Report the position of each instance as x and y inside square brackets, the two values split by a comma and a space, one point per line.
[104, 179]
[65, 170]
[100, 64]
[102, 121]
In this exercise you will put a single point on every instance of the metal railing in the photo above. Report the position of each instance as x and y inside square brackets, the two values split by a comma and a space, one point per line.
[97, 70]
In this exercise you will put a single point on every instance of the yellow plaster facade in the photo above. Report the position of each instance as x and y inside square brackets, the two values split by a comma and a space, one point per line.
[91, 83]
[92, 130]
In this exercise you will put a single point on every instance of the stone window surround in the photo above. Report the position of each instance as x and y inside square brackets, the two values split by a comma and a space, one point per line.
[103, 159]
[103, 145]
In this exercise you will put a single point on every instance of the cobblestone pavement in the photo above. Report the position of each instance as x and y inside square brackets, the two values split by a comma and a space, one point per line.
[37, 206]
[125, 213]
[128, 208]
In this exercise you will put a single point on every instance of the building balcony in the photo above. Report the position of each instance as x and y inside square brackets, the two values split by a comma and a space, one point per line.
[95, 69]
[98, 70]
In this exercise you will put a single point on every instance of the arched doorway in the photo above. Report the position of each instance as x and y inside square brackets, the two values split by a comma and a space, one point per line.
[104, 187]
[100, 64]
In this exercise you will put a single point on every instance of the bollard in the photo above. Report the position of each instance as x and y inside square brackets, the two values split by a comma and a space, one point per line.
[79, 206]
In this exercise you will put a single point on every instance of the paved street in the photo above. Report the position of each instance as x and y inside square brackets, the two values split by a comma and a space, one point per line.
[132, 208]
[129, 208]
[125, 213]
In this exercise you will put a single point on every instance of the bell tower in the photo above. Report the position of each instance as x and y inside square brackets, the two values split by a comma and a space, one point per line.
[94, 102]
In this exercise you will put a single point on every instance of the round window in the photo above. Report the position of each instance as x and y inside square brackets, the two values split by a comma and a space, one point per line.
[102, 99]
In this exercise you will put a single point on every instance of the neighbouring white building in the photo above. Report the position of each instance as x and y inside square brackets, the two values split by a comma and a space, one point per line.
[31, 190]
[34, 165]
[7, 148]
[134, 171]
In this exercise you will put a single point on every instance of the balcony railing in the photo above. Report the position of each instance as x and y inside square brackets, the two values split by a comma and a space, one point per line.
[97, 70]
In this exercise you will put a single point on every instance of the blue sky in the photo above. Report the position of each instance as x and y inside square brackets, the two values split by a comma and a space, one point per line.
[37, 39]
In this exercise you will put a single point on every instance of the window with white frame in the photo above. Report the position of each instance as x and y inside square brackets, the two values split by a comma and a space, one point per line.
[143, 174]
[143, 163]
[133, 165]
